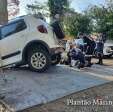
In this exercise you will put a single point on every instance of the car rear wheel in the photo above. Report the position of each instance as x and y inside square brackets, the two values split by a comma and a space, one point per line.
[4, 107]
[108, 56]
[56, 59]
[38, 59]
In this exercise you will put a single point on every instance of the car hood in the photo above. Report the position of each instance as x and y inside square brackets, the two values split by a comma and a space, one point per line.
[108, 44]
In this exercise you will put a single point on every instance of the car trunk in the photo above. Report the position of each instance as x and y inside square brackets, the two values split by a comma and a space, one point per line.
[58, 30]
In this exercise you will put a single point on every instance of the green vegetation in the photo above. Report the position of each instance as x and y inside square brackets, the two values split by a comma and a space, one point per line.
[95, 19]
[102, 18]
[36, 8]
[75, 23]
[72, 22]
[58, 7]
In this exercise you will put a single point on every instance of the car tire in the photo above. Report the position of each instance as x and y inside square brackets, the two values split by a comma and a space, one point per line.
[4, 107]
[56, 60]
[108, 56]
[38, 59]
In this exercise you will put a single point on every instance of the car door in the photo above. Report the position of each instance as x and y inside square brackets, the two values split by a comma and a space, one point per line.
[12, 37]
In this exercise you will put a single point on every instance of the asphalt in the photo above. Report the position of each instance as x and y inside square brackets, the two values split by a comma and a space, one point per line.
[22, 88]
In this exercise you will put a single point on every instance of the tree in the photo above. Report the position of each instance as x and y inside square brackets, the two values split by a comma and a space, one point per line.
[37, 8]
[50, 8]
[98, 16]
[75, 23]
[3, 12]
[57, 7]
[102, 18]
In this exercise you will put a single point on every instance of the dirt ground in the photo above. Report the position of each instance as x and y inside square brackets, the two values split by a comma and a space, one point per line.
[108, 62]
[95, 99]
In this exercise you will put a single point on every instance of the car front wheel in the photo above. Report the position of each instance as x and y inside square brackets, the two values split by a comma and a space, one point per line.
[38, 59]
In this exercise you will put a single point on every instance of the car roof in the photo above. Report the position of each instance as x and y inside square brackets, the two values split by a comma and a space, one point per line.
[13, 20]
[16, 19]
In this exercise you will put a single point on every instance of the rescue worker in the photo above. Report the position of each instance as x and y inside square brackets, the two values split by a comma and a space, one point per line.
[89, 46]
[77, 55]
[68, 47]
[79, 41]
[99, 48]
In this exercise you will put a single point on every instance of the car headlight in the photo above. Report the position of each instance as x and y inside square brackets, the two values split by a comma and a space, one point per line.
[108, 49]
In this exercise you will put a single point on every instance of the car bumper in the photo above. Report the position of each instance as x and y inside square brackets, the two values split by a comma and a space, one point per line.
[56, 50]
[108, 51]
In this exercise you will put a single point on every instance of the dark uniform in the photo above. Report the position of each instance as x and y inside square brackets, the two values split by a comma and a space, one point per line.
[89, 46]
[99, 48]
[99, 52]
[76, 54]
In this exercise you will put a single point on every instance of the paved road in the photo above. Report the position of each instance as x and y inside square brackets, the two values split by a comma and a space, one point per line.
[25, 88]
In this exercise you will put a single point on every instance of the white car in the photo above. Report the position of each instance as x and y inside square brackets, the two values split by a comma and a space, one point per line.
[29, 40]
[108, 49]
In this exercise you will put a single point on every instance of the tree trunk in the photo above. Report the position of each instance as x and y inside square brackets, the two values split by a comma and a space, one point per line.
[3, 12]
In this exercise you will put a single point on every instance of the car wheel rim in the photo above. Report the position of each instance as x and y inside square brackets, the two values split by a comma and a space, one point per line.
[38, 60]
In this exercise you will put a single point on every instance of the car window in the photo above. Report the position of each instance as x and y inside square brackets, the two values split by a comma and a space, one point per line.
[13, 28]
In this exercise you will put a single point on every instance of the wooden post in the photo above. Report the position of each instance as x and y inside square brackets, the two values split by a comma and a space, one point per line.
[3, 12]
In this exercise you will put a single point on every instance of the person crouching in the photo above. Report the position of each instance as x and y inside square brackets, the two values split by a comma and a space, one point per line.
[77, 56]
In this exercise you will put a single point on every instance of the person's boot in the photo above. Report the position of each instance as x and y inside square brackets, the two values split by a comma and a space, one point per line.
[101, 62]
[89, 64]
[98, 63]
[81, 65]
